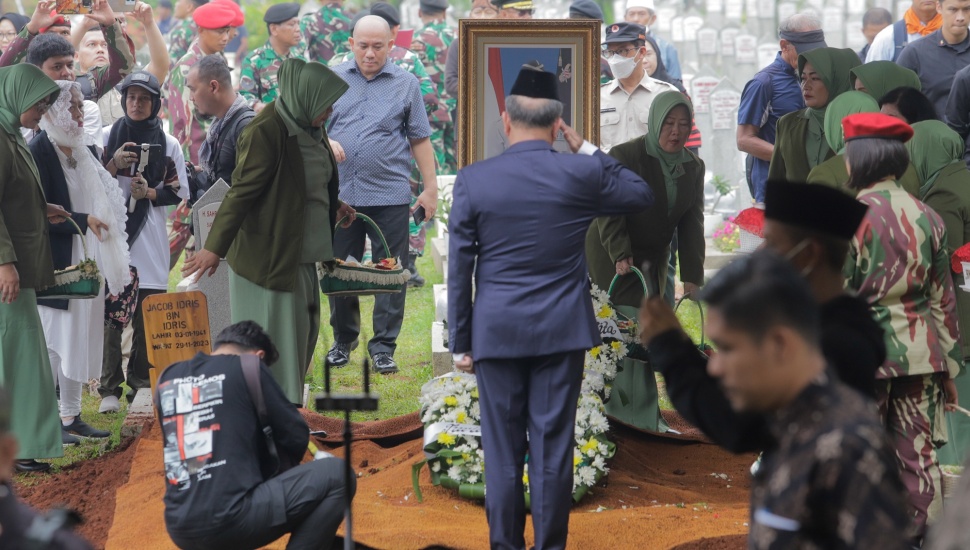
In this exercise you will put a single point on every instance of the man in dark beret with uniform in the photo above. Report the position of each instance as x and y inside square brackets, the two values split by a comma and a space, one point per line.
[258, 84]
[514, 9]
[526, 335]
[585, 9]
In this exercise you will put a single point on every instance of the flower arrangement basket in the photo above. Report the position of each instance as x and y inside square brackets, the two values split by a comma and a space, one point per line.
[386, 277]
[751, 221]
[628, 326]
[77, 282]
[703, 346]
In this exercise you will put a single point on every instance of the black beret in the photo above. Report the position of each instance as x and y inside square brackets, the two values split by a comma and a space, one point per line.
[814, 207]
[281, 13]
[386, 12]
[585, 9]
[433, 6]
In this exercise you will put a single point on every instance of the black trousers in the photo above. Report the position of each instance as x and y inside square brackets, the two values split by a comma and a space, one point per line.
[388, 308]
[307, 502]
[111, 373]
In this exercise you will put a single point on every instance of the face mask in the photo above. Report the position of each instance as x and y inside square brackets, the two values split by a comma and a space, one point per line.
[622, 67]
[807, 270]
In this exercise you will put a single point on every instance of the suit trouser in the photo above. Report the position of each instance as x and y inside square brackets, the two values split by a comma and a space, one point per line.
[111, 372]
[306, 501]
[388, 308]
[911, 408]
[538, 395]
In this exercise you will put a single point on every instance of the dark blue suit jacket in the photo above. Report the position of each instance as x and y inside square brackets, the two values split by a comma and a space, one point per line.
[524, 215]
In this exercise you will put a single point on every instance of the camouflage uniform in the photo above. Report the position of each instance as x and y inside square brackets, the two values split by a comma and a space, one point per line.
[258, 83]
[186, 125]
[433, 41]
[898, 263]
[325, 33]
[180, 38]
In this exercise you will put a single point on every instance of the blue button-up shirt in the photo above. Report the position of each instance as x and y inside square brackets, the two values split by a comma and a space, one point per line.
[771, 94]
[374, 122]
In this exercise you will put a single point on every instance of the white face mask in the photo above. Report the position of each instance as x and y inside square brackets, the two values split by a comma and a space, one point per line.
[622, 67]
[807, 270]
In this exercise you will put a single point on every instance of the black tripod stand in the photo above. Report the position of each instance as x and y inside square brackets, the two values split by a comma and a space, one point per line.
[348, 403]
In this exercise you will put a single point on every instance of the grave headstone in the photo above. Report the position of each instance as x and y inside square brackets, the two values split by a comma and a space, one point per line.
[733, 9]
[677, 29]
[766, 53]
[724, 100]
[707, 42]
[725, 161]
[766, 9]
[856, 7]
[746, 48]
[786, 10]
[665, 17]
[176, 328]
[715, 6]
[216, 287]
[727, 41]
[701, 87]
[832, 22]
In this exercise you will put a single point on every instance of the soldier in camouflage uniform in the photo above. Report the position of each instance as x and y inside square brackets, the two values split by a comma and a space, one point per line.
[258, 84]
[431, 44]
[326, 33]
[899, 264]
[185, 31]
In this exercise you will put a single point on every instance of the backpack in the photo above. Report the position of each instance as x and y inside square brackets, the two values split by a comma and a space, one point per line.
[900, 38]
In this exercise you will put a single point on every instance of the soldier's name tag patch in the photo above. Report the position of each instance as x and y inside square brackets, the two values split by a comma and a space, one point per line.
[608, 110]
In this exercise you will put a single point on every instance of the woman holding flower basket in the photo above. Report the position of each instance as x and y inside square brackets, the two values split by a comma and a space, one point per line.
[615, 245]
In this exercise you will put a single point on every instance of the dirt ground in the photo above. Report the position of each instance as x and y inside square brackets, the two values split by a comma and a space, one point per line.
[661, 492]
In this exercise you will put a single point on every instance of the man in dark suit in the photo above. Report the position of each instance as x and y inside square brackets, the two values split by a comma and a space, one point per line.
[518, 223]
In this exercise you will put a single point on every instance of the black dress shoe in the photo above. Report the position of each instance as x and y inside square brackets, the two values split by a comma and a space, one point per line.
[339, 354]
[81, 428]
[32, 466]
[384, 363]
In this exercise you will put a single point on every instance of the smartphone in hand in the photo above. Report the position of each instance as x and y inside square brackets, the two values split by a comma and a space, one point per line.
[419, 215]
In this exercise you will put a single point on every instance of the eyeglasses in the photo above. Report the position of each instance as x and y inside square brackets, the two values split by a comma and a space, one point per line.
[623, 53]
[8, 35]
[484, 13]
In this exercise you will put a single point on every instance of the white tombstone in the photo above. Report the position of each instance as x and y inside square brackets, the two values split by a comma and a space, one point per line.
[746, 48]
[715, 6]
[665, 18]
[766, 53]
[216, 287]
[692, 24]
[701, 87]
[766, 9]
[786, 10]
[832, 22]
[727, 41]
[677, 29]
[733, 9]
[707, 41]
[725, 100]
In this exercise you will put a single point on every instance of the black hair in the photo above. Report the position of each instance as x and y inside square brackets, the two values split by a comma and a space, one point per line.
[911, 103]
[876, 16]
[834, 249]
[872, 160]
[248, 336]
[48, 45]
[214, 67]
[760, 291]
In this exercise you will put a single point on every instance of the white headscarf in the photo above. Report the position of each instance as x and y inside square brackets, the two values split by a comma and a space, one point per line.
[97, 183]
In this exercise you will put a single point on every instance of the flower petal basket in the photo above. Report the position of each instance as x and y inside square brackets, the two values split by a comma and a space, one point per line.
[385, 277]
[77, 282]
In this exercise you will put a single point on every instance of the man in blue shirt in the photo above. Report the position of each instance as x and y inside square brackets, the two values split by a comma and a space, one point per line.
[772, 93]
[375, 129]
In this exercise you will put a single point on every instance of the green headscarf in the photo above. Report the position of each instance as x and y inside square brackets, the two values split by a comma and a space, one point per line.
[833, 66]
[21, 87]
[882, 77]
[307, 89]
[670, 163]
[933, 147]
[849, 103]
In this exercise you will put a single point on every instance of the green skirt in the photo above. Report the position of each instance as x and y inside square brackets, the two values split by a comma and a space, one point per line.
[958, 427]
[635, 400]
[292, 320]
[25, 374]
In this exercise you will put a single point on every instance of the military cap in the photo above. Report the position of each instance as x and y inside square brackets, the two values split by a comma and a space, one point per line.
[433, 6]
[818, 208]
[214, 15]
[532, 82]
[875, 125]
[386, 12]
[625, 32]
[281, 13]
[513, 4]
[585, 9]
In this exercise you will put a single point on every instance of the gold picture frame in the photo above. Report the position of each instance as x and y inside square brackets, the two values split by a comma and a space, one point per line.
[492, 51]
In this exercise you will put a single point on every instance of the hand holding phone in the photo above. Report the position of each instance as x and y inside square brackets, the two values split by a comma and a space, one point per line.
[419, 215]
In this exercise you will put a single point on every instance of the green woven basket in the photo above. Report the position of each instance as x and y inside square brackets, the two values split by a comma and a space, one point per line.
[75, 283]
[634, 349]
[343, 280]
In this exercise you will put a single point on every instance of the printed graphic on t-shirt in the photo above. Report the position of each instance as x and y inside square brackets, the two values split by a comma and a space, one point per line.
[189, 422]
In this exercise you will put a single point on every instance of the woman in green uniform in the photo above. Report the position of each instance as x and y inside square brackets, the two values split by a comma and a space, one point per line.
[881, 77]
[832, 172]
[614, 245]
[800, 143]
[276, 222]
[25, 267]
[936, 152]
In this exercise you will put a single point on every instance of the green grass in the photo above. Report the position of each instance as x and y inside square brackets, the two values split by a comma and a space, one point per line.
[690, 317]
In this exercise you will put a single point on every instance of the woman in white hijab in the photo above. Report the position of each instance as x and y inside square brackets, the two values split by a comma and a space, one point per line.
[74, 329]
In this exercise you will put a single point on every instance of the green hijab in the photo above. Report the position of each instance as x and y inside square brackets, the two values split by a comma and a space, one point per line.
[833, 66]
[21, 87]
[670, 163]
[307, 89]
[849, 103]
[933, 147]
[882, 77]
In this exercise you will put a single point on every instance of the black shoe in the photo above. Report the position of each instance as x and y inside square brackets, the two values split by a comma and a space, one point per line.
[384, 363]
[416, 281]
[339, 354]
[81, 428]
[32, 466]
[67, 438]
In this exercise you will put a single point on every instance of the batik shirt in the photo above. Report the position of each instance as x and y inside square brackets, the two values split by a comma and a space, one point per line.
[831, 480]
[186, 124]
[180, 38]
[898, 263]
[431, 46]
[259, 82]
[326, 33]
[121, 57]
[410, 62]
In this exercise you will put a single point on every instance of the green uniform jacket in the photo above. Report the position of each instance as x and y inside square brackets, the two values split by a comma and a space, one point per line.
[646, 236]
[23, 216]
[950, 198]
[259, 227]
[789, 161]
[833, 173]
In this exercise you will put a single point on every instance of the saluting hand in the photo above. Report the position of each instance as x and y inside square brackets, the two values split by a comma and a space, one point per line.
[572, 137]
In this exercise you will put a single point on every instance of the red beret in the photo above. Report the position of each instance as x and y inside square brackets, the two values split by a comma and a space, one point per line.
[240, 19]
[214, 15]
[875, 125]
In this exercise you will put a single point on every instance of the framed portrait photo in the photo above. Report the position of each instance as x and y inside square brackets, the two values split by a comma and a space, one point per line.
[491, 54]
